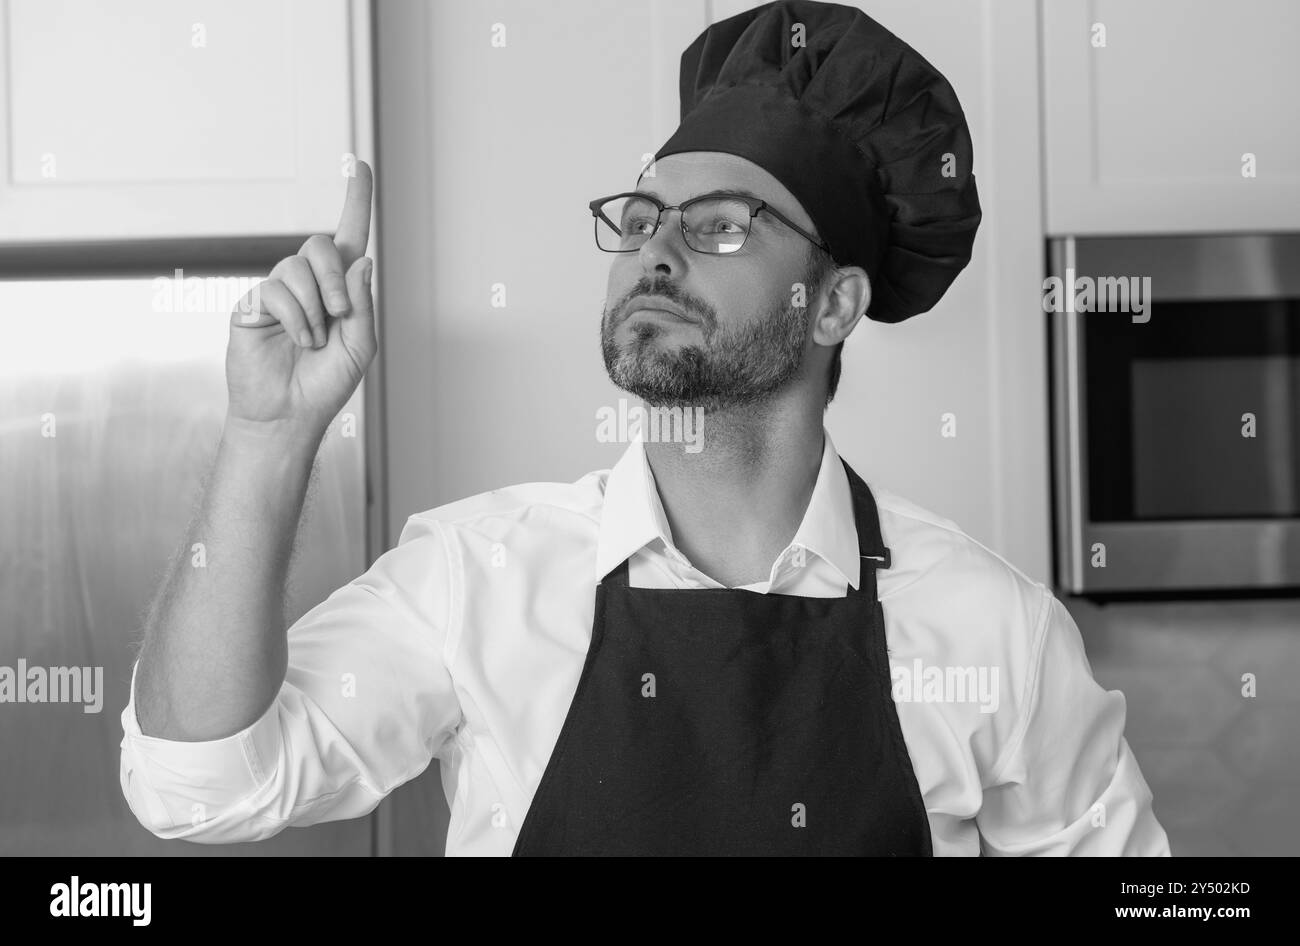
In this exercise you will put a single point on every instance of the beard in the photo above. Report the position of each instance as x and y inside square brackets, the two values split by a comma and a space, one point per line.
[734, 367]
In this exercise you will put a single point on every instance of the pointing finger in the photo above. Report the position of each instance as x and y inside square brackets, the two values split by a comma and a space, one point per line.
[353, 233]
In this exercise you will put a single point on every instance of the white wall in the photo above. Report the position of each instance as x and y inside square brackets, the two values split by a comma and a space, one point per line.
[486, 161]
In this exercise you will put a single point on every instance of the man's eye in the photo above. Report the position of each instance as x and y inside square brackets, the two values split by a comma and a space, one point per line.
[723, 225]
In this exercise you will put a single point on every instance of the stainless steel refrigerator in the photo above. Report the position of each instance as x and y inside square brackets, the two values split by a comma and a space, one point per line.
[111, 403]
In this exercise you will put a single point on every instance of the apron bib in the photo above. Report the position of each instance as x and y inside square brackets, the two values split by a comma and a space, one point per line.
[720, 721]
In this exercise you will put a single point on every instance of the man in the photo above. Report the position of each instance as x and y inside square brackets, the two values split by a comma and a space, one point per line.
[740, 650]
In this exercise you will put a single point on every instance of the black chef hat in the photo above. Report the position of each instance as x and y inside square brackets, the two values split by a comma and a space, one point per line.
[857, 125]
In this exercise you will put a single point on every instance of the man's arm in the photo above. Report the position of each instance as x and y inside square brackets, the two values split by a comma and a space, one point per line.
[236, 727]
[214, 653]
[367, 702]
[1067, 782]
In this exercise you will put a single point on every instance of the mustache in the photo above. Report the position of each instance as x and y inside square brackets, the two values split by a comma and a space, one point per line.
[620, 312]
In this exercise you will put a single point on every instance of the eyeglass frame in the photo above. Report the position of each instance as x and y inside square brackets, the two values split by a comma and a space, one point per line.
[755, 204]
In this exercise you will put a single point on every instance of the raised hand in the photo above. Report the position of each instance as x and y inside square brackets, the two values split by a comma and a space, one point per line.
[301, 340]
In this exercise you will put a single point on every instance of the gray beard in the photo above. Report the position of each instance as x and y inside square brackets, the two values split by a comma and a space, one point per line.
[740, 367]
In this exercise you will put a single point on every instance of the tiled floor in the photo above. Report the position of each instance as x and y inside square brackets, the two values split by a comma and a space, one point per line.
[1224, 768]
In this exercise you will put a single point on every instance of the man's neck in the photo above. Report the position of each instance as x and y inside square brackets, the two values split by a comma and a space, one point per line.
[737, 503]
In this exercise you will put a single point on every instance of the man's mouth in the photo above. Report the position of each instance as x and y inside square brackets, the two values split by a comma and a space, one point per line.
[662, 313]
[659, 306]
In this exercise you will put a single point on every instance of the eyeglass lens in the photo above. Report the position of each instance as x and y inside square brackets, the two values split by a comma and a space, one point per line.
[716, 225]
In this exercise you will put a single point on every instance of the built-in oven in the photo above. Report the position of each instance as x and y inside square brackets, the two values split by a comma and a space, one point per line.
[1176, 414]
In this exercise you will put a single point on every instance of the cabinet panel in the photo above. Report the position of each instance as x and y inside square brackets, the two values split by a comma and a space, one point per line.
[163, 119]
[1147, 133]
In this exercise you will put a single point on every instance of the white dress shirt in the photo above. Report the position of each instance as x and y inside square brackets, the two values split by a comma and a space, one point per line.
[465, 642]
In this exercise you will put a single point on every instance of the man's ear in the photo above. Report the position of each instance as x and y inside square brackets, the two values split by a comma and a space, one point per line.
[847, 297]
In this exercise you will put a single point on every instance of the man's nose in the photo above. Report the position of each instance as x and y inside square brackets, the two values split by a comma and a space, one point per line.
[665, 251]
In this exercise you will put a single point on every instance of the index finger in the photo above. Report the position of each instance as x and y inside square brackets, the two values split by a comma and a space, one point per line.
[353, 233]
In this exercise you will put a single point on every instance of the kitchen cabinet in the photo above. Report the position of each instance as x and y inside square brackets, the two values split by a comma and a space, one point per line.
[1171, 116]
[155, 119]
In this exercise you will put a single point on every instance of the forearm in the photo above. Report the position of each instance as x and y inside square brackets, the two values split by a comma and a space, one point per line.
[215, 650]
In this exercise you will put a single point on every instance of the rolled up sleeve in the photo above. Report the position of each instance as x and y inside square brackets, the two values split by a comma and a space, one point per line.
[1068, 783]
[367, 702]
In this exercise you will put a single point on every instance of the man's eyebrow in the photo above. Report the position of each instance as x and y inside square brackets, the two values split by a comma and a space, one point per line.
[744, 192]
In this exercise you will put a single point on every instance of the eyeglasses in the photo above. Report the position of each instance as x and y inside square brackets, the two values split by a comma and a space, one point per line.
[716, 223]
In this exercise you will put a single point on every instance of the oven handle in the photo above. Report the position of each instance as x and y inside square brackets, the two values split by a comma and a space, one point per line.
[1069, 426]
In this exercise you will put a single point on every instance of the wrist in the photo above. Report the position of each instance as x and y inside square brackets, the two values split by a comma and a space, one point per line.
[284, 438]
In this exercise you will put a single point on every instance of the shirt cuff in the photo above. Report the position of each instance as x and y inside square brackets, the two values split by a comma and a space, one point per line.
[175, 787]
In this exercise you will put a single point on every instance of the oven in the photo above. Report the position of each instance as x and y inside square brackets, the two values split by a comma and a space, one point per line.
[1175, 378]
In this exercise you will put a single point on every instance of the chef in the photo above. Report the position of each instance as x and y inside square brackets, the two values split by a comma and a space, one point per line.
[741, 649]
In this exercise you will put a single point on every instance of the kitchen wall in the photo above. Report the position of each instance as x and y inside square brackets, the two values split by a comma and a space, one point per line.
[469, 134]
[487, 158]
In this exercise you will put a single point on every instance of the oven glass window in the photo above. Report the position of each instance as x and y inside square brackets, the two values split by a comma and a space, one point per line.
[1194, 414]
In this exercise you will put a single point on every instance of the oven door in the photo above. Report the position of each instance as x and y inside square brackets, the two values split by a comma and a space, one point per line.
[1177, 421]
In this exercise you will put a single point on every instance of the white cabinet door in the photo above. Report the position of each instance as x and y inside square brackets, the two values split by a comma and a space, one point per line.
[149, 119]
[1150, 132]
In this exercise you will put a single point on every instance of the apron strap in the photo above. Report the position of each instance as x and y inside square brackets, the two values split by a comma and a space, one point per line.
[871, 546]
[618, 577]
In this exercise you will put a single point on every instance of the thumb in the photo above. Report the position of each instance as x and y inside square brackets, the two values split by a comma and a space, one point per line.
[357, 328]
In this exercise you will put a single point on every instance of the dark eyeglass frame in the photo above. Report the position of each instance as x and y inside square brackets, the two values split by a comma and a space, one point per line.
[756, 205]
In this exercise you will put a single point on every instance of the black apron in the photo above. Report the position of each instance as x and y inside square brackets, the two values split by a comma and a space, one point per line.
[721, 721]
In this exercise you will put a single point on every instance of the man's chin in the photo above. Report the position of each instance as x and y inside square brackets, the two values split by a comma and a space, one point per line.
[662, 373]
[669, 397]
[655, 393]
[659, 344]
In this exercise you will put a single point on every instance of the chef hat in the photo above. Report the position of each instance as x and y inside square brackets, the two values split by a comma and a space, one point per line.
[866, 134]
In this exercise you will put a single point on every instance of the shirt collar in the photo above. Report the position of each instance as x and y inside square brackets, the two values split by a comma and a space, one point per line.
[633, 514]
